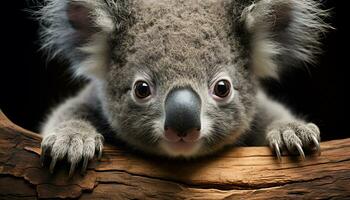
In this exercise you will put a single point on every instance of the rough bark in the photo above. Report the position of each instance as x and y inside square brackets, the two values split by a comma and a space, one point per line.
[240, 173]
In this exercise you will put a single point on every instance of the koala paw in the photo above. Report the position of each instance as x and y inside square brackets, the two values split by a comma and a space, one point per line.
[294, 137]
[74, 140]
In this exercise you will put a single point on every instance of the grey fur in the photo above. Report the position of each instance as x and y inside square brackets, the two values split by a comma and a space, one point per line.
[292, 28]
[173, 44]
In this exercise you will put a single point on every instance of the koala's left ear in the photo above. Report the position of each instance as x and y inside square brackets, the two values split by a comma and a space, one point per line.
[80, 31]
[282, 33]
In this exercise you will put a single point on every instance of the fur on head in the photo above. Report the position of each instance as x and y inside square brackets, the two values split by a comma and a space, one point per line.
[179, 44]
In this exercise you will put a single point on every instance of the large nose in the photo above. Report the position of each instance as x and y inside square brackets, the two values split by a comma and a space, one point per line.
[183, 110]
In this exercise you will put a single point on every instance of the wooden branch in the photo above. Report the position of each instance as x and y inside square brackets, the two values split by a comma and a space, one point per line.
[239, 173]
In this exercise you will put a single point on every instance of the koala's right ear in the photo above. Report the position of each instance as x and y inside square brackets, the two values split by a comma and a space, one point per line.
[284, 33]
[79, 30]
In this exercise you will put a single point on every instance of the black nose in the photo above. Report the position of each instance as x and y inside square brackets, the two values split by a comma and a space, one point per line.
[183, 110]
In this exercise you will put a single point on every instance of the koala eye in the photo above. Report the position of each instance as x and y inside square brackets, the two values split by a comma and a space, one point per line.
[142, 89]
[222, 88]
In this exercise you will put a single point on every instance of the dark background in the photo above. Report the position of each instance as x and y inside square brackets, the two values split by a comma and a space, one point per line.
[30, 86]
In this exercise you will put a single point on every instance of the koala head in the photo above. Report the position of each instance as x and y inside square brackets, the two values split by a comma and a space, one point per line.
[179, 78]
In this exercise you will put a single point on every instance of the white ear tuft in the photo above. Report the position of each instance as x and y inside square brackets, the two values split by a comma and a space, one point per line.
[79, 30]
[263, 53]
[283, 33]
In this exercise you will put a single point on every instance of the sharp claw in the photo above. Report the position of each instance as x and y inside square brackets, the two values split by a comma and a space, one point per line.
[99, 156]
[314, 127]
[85, 164]
[99, 147]
[277, 151]
[42, 156]
[317, 145]
[300, 150]
[72, 169]
[52, 165]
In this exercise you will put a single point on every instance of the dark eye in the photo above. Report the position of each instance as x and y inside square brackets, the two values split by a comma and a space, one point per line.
[222, 88]
[142, 89]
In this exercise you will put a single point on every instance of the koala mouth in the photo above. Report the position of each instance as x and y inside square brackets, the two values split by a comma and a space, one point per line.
[181, 146]
[181, 142]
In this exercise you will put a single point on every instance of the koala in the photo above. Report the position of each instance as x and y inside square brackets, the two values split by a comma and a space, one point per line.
[178, 78]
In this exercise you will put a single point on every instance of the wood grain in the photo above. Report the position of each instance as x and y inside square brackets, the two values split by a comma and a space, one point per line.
[239, 173]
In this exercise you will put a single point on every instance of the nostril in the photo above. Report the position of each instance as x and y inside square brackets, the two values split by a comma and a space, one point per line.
[192, 135]
[171, 135]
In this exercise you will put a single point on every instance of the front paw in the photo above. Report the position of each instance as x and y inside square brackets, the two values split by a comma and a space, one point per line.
[74, 140]
[294, 137]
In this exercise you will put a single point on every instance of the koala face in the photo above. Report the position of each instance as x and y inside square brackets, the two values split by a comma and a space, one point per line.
[179, 78]
[179, 90]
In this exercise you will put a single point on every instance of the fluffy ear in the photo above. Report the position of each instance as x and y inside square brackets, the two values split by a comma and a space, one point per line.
[283, 32]
[79, 31]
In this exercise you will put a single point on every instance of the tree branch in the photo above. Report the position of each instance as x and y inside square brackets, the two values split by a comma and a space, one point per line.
[241, 173]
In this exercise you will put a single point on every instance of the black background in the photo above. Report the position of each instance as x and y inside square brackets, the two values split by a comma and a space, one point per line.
[30, 86]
